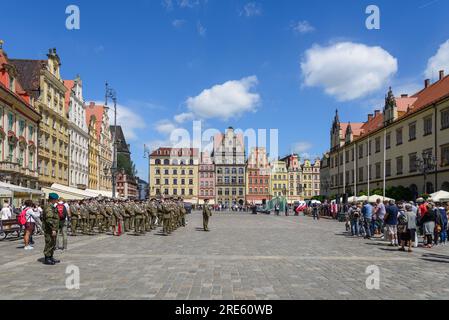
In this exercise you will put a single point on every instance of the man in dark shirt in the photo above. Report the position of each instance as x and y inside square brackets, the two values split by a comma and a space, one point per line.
[391, 222]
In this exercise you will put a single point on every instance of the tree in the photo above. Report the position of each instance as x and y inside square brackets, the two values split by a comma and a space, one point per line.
[126, 164]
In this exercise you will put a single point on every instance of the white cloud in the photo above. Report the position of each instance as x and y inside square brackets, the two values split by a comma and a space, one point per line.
[178, 23]
[227, 100]
[302, 27]
[182, 4]
[130, 121]
[347, 70]
[440, 61]
[183, 117]
[201, 29]
[165, 127]
[251, 9]
[301, 147]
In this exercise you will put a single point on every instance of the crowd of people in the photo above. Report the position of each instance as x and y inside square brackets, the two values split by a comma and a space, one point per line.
[400, 223]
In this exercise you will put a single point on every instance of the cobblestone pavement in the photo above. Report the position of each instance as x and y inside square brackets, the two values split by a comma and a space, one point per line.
[243, 257]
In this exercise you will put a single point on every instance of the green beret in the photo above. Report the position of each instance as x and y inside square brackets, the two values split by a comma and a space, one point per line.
[53, 196]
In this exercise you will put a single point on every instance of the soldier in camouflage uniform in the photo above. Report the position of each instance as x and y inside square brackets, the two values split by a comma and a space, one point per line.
[50, 220]
[128, 215]
[207, 213]
[138, 218]
[75, 217]
[92, 207]
[183, 213]
[160, 213]
[116, 217]
[109, 213]
[153, 213]
[84, 217]
[100, 215]
[166, 210]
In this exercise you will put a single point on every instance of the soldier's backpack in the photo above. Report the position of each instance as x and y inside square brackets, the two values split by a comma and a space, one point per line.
[62, 211]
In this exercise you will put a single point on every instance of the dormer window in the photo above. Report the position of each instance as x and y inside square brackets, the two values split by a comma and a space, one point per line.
[12, 86]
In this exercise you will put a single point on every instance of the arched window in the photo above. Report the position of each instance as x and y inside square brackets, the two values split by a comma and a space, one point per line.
[166, 162]
[158, 162]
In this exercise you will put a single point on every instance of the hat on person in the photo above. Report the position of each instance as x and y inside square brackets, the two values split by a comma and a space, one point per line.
[420, 200]
[53, 196]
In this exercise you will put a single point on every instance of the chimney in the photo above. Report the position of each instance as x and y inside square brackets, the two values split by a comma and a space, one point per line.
[370, 117]
[441, 74]
[426, 83]
[376, 113]
[404, 95]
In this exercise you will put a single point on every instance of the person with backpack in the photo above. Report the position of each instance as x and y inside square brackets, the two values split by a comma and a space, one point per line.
[354, 217]
[391, 223]
[27, 219]
[63, 214]
[50, 220]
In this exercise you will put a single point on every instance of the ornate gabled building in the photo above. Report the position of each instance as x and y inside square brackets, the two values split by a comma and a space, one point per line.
[229, 158]
[258, 177]
[94, 152]
[42, 80]
[279, 179]
[104, 138]
[18, 129]
[405, 145]
[79, 134]
[294, 169]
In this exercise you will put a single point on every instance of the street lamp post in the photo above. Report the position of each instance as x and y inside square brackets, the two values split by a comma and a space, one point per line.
[111, 94]
[425, 166]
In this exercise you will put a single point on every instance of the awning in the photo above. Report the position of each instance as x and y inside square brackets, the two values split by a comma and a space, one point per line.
[4, 193]
[440, 196]
[20, 191]
[68, 193]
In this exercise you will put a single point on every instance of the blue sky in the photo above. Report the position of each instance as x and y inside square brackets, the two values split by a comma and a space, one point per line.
[285, 64]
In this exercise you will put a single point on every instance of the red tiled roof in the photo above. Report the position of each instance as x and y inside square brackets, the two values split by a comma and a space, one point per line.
[4, 80]
[406, 106]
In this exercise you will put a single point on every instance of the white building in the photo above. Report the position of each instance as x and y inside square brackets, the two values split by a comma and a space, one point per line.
[79, 135]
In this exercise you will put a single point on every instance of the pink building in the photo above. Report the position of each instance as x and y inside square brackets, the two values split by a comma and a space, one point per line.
[206, 181]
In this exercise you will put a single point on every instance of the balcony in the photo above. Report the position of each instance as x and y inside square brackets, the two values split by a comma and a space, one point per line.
[9, 167]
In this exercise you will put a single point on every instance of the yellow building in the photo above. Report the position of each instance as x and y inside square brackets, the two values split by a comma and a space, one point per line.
[94, 148]
[311, 178]
[42, 80]
[279, 179]
[174, 173]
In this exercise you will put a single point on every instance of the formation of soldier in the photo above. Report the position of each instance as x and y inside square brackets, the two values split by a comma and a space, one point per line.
[98, 215]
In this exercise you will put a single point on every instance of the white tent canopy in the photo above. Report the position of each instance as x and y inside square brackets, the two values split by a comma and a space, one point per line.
[69, 193]
[440, 196]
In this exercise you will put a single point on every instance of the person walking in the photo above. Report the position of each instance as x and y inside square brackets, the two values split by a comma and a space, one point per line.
[367, 212]
[206, 215]
[391, 223]
[277, 209]
[6, 211]
[51, 225]
[354, 217]
[30, 216]
[380, 216]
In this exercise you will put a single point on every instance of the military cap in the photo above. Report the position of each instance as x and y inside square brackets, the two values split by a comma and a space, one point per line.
[53, 196]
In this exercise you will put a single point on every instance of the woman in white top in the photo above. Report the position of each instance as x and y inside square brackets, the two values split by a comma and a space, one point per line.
[6, 211]
[31, 217]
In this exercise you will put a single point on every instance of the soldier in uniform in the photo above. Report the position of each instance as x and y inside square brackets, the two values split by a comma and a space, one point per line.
[116, 217]
[207, 213]
[128, 215]
[100, 215]
[146, 216]
[75, 217]
[154, 213]
[166, 209]
[91, 206]
[138, 218]
[160, 213]
[84, 217]
[109, 214]
[183, 213]
[50, 220]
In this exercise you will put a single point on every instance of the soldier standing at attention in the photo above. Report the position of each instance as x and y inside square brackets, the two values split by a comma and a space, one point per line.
[50, 224]
[183, 213]
[75, 217]
[206, 215]
[138, 218]
[166, 217]
[92, 216]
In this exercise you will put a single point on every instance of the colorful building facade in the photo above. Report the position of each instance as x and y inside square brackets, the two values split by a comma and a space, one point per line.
[18, 129]
[258, 177]
[206, 179]
[42, 80]
[279, 179]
